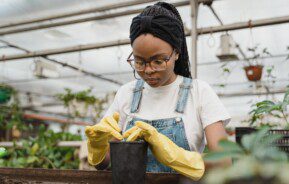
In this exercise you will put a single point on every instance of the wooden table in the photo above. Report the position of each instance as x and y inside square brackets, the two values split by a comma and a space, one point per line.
[49, 176]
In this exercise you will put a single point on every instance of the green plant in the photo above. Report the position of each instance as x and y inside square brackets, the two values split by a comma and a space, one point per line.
[267, 107]
[269, 75]
[226, 71]
[256, 158]
[11, 114]
[255, 54]
[72, 102]
[6, 92]
[43, 152]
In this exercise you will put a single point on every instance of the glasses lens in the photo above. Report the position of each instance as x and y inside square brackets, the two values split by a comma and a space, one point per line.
[158, 65]
[138, 65]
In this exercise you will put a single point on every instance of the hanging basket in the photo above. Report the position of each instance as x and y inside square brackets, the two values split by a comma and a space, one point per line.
[5, 95]
[254, 72]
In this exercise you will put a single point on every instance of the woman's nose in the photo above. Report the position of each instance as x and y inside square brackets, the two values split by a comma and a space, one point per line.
[148, 69]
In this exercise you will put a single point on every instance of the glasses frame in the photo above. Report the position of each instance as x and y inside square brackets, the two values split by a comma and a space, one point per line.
[167, 59]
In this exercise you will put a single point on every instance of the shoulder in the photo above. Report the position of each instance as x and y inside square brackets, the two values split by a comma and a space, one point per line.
[126, 88]
[201, 86]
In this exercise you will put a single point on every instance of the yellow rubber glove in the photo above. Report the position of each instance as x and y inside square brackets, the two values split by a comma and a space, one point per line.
[185, 162]
[99, 136]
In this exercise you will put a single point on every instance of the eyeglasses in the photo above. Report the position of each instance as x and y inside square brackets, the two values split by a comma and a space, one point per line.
[158, 63]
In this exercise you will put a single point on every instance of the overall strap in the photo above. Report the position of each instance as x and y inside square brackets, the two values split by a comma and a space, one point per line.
[183, 94]
[137, 93]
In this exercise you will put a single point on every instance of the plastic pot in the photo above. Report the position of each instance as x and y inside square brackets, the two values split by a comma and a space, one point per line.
[282, 143]
[128, 162]
[254, 72]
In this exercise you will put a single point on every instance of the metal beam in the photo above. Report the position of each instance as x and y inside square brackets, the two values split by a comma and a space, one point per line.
[201, 31]
[54, 119]
[60, 144]
[64, 77]
[51, 104]
[64, 64]
[66, 50]
[244, 25]
[246, 93]
[77, 13]
[243, 60]
[87, 19]
[81, 20]
[194, 36]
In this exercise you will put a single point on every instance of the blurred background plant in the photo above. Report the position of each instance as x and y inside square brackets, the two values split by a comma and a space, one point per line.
[42, 152]
[81, 104]
[255, 160]
[269, 109]
[269, 113]
[11, 115]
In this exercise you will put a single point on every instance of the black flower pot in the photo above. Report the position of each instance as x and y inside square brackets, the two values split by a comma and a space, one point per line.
[282, 144]
[128, 162]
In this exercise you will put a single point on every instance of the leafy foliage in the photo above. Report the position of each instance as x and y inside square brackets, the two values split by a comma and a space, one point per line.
[71, 99]
[256, 53]
[256, 145]
[42, 152]
[277, 109]
[11, 114]
[255, 158]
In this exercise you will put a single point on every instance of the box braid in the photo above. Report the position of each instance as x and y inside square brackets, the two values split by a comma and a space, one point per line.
[161, 9]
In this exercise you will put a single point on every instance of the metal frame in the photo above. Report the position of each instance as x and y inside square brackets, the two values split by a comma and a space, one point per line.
[88, 11]
[194, 32]
[200, 31]
[77, 13]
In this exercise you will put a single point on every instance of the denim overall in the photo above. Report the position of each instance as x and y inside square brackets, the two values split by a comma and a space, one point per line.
[173, 128]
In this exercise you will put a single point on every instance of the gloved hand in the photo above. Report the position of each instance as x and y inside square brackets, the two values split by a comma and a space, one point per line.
[99, 136]
[185, 162]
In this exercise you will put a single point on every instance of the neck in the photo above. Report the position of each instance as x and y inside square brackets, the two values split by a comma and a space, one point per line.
[170, 80]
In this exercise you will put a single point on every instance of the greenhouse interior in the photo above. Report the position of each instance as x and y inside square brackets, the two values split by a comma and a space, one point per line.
[144, 91]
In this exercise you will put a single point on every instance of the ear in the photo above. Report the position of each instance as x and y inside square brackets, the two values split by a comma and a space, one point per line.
[177, 56]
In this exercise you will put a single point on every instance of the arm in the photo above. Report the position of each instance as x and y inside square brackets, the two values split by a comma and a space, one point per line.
[105, 163]
[214, 133]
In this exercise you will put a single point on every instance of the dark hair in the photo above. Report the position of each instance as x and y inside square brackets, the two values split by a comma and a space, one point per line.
[182, 65]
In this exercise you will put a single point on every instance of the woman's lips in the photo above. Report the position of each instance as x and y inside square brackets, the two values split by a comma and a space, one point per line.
[152, 81]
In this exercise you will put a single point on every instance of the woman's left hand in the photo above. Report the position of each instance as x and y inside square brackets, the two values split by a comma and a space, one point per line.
[139, 131]
[188, 163]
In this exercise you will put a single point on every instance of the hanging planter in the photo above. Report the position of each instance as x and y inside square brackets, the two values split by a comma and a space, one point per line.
[254, 72]
[5, 93]
[254, 69]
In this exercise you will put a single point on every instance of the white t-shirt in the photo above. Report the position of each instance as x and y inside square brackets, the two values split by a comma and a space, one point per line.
[203, 107]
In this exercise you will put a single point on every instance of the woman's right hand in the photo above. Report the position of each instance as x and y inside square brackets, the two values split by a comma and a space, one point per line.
[99, 136]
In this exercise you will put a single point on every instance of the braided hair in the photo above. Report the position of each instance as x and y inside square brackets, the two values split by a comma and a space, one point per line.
[164, 21]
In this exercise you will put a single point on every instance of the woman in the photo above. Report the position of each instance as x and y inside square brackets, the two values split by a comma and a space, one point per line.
[168, 109]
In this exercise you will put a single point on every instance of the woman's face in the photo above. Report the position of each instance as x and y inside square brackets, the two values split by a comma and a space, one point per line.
[147, 46]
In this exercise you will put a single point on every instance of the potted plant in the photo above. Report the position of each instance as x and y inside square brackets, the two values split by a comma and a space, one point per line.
[11, 115]
[6, 93]
[80, 103]
[269, 110]
[255, 161]
[42, 152]
[253, 68]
